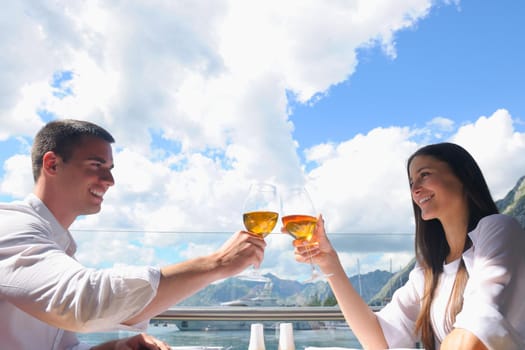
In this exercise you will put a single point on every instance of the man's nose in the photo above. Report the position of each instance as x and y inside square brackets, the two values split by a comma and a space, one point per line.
[107, 177]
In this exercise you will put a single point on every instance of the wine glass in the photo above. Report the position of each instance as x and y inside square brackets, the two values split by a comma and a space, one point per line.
[260, 213]
[299, 220]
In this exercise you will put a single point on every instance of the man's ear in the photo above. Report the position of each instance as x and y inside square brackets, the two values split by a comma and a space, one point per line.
[49, 162]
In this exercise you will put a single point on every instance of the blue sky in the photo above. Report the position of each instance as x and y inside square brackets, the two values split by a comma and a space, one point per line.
[460, 62]
[204, 98]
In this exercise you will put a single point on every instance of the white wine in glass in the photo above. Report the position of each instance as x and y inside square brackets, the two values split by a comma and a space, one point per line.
[300, 226]
[260, 214]
[299, 220]
[260, 223]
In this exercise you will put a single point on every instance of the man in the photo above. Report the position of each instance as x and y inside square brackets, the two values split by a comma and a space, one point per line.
[45, 294]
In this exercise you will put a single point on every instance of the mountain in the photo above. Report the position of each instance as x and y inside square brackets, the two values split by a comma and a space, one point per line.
[397, 280]
[286, 292]
[369, 284]
[514, 202]
[232, 289]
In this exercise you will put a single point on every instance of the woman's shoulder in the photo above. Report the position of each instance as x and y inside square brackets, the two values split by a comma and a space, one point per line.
[497, 227]
[417, 274]
[499, 220]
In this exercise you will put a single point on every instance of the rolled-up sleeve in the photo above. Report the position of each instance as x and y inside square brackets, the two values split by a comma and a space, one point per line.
[42, 279]
[495, 266]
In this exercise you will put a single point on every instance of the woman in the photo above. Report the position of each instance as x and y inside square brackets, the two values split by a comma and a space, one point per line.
[466, 291]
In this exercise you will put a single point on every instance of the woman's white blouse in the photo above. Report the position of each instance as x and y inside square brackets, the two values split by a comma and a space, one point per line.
[493, 307]
[438, 309]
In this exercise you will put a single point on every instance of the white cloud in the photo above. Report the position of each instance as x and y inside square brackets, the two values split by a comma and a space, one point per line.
[497, 147]
[441, 123]
[98, 248]
[211, 81]
[36, 42]
[24, 119]
[18, 179]
[363, 186]
[360, 186]
[320, 153]
[310, 51]
[181, 66]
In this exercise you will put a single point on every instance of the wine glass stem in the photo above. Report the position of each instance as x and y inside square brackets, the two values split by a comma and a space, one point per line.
[314, 272]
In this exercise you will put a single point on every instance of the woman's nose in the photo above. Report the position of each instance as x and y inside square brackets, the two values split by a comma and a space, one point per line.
[415, 187]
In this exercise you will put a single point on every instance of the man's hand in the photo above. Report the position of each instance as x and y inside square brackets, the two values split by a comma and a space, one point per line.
[138, 342]
[240, 251]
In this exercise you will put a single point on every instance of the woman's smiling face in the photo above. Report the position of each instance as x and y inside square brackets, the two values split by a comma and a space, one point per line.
[435, 189]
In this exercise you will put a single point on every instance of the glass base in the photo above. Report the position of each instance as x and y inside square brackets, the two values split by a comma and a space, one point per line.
[317, 275]
[253, 278]
[252, 275]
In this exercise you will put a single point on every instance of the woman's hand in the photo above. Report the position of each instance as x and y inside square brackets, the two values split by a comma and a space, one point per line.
[321, 250]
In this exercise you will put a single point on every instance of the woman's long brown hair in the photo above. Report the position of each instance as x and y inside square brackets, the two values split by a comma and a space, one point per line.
[431, 245]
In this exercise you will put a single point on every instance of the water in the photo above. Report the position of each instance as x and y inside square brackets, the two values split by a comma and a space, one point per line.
[237, 340]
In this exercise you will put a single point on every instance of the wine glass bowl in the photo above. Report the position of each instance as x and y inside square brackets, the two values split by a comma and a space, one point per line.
[260, 214]
[300, 227]
[299, 220]
[260, 223]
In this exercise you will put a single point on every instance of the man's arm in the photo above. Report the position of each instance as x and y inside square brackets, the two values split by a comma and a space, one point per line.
[179, 281]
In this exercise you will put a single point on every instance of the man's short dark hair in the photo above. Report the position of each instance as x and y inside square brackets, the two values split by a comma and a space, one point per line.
[61, 137]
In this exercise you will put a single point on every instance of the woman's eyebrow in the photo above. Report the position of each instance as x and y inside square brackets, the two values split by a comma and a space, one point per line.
[424, 167]
[418, 171]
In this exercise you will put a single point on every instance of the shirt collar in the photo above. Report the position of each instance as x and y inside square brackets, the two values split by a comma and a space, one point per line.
[59, 234]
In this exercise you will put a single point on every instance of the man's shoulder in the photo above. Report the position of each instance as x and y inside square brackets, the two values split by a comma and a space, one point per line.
[19, 214]
[16, 207]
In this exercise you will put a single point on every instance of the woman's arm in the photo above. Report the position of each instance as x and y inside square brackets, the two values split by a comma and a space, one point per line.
[493, 297]
[360, 318]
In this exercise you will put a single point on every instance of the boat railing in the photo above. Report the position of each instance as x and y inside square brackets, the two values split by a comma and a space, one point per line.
[278, 313]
